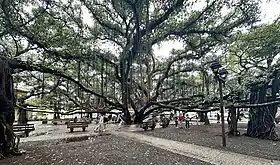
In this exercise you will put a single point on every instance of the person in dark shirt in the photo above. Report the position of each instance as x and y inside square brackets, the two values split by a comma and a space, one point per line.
[218, 118]
[187, 118]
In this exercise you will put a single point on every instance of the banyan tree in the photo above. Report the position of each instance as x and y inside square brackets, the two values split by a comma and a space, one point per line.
[8, 139]
[263, 98]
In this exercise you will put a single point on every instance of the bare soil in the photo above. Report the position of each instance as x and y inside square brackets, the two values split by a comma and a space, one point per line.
[100, 150]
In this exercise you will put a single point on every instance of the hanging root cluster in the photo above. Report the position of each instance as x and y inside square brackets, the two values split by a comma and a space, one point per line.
[261, 124]
[8, 139]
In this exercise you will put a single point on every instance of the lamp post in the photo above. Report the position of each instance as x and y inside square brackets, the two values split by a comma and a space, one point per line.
[220, 75]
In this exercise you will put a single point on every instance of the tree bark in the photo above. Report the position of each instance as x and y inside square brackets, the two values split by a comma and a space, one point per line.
[125, 96]
[125, 92]
[7, 102]
[261, 123]
[232, 122]
[139, 117]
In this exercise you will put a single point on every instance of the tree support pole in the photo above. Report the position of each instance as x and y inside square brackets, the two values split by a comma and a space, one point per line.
[222, 113]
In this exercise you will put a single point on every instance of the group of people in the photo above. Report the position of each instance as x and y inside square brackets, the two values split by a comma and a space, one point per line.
[102, 120]
[179, 120]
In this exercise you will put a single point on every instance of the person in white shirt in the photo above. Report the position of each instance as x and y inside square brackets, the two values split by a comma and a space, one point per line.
[100, 126]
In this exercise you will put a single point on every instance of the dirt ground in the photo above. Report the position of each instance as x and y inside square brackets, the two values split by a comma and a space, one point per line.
[101, 150]
[111, 149]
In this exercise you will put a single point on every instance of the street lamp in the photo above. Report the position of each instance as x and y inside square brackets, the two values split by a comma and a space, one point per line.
[223, 74]
[220, 75]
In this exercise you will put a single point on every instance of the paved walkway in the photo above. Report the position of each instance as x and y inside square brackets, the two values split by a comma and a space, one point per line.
[206, 154]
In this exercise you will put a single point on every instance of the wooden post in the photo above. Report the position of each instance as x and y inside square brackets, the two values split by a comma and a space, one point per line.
[222, 113]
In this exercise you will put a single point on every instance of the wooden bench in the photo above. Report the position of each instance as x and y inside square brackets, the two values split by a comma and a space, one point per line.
[60, 121]
[150, 123]
[73, 125]
[26, 128]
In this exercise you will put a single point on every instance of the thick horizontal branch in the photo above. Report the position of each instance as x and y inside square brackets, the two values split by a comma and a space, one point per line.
[15, 64]
[72, 113]
[256, 105]
[186, 110]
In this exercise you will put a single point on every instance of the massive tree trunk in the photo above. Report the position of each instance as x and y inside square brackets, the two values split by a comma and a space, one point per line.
[125, 96]
[261, 124]
[7, 137]
[232, 122]
[125, 92]
[139, 117]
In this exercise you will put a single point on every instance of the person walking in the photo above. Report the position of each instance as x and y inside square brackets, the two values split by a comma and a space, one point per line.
[75, 119]
[218, 118]
[180, 118]
[121, 122]
[100, 126]
[187, 118]
[176, 120]
[196, 117]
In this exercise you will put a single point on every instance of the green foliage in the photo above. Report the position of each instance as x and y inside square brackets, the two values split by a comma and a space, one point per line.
[113, 40]
[258, 47]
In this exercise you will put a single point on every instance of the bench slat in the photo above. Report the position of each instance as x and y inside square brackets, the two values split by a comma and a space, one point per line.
[77, 127]
[25, 127]
[77, 123]
[23, 130]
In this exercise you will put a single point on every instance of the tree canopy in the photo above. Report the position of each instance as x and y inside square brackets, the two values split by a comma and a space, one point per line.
[101, 52]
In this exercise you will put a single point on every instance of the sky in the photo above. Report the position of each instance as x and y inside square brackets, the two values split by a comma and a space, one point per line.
[270, 11]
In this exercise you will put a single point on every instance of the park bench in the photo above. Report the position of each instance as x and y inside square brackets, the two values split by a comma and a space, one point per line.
[73, 125]
[149, 123]
[26, 128]
[60, 121]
